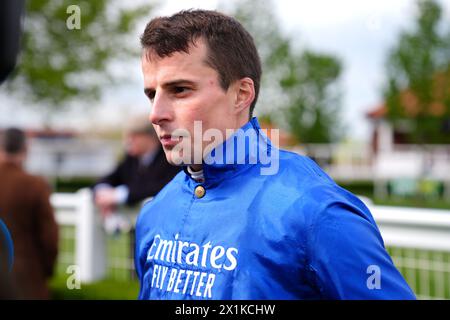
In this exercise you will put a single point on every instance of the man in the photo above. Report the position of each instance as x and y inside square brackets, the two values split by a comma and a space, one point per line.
[25, 209]
[142, 173]
[245, 220]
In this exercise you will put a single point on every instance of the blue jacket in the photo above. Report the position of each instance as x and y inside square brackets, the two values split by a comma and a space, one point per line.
[289, 234]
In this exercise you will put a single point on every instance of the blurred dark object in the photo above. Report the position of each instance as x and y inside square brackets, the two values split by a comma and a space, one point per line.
[6, 249]
[6, 263]
[10, 31]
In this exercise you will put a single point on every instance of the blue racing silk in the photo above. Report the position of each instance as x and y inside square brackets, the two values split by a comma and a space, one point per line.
[260, 229]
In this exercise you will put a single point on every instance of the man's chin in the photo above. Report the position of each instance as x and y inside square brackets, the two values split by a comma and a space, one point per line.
[176, 157]
[173, 159]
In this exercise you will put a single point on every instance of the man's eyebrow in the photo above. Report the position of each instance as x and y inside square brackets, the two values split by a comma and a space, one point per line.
[172, 83]
[177, 82]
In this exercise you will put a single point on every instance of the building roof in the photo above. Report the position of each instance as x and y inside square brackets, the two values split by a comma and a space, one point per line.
[411, 103]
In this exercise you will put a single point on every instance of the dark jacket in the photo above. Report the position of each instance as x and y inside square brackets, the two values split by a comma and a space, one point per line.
[26, 211]
[142, 181]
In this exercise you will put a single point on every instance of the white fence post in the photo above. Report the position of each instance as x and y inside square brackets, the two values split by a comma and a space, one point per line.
[90, 251]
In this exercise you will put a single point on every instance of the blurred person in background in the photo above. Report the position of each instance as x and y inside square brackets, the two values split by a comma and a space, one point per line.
[142, 173]
[26, 211]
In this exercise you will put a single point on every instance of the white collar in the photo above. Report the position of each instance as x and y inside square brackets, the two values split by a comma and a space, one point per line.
[196, 175]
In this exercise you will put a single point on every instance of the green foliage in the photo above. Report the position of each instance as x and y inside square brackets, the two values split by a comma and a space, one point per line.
[299, 88]
[417, 94]
[312, 112]
[58, 64]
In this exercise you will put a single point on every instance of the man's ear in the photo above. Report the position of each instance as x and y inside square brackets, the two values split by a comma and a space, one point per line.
[245, 94]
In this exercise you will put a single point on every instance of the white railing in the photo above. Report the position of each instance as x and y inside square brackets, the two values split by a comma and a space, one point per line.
[418, 241]
[77, 209]
[427, 229]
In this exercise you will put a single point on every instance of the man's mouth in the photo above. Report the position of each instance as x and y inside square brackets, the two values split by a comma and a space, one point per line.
[167, 140]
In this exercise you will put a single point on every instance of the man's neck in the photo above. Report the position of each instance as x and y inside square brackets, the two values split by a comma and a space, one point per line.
[195, 167]
[11, 161]
[197, 175]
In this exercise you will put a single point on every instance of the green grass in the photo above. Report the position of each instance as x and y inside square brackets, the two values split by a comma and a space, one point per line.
[108, 289]
[415, 202]
[120, 282]
[72, 184]
[365, 188]
[426, 272]
[362, 188]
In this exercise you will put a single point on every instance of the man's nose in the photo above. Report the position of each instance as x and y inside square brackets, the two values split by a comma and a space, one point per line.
[161, 110]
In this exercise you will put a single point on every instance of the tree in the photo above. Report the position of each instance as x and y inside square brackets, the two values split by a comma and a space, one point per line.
[299, 88]
[313, 109]
[68, 49]
[417, 94]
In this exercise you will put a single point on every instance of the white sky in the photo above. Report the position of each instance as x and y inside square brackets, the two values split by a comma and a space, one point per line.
[359, 32]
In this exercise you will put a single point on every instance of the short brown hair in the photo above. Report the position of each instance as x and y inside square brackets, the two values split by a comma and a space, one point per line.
[12, 141]
[231, 49]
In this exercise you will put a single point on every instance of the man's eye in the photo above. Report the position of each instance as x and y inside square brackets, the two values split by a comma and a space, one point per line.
[151, 95]
[178, 90]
